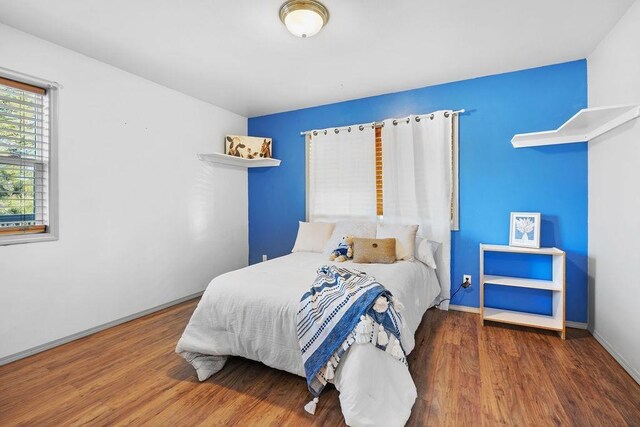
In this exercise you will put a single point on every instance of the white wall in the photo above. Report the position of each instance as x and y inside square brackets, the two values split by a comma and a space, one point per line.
[142, 221]
[614, 197]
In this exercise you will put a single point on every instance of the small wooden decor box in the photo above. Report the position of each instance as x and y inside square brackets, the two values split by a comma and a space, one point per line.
[248, 147]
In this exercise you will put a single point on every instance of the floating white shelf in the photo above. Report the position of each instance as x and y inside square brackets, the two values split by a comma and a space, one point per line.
[238, 161]
[585, 125]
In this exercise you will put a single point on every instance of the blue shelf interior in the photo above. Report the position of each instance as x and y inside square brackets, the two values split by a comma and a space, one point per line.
[537, 301]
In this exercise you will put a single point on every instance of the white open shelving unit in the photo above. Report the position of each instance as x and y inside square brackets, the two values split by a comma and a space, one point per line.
[225, 159]
[556, 285]
[585, 125]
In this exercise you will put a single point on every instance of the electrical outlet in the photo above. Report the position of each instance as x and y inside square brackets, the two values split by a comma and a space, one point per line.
[264, 257]
[466, 277]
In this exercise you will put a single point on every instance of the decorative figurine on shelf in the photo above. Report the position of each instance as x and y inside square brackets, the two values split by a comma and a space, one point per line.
[265, 150]
[248, 147]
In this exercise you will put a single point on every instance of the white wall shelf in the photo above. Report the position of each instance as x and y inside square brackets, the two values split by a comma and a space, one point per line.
[585, 125]
[557, 286]
[238, 161]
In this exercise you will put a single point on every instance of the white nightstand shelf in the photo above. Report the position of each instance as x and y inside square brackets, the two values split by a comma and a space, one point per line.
[520, 282]
[557, 286]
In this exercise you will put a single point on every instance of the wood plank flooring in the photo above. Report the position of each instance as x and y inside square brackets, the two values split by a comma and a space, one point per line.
[465, 374]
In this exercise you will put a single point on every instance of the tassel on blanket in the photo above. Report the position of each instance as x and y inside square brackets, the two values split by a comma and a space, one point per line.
[329, 373]
[363, 330]
[396, 351]
[368, 324]
[311, 406]
[361, 339]
[381, 305]
[397, 304]
[383, 339]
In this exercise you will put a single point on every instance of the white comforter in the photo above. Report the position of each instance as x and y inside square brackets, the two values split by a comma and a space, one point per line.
[252, 313]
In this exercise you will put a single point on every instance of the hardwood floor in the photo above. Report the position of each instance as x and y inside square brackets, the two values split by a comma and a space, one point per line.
[465, 375]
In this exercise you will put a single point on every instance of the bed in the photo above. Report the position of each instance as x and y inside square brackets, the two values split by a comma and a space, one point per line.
[251, 313]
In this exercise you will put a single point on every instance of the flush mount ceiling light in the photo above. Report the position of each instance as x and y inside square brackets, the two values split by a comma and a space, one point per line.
[304, 18]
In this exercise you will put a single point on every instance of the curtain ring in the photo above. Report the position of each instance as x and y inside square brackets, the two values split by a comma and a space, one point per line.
[325, 131]
[361, 127]
[336, 130]
[349, 129]
[395, 122]
[315, 133]
[432, 116]
[417, 118]
[373, 126]
[446, 114]
[408, 119]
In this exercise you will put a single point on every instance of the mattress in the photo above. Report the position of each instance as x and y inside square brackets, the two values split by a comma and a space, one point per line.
[251, 312]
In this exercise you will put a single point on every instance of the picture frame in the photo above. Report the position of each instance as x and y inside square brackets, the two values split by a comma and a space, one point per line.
[524, 230]
[248, 147]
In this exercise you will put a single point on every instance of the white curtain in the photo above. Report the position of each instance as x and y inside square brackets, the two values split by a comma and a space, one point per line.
[417, 181]
[342, 175]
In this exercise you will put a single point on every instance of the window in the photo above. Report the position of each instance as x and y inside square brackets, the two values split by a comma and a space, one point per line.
[25, 163]
[344, 183]
[341, 175]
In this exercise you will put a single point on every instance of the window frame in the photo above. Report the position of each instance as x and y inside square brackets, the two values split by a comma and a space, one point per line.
[29, 235]
[379, 183]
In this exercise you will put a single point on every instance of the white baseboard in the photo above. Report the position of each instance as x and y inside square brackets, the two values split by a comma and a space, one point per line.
[464, 308]
[82, 334]
[576, 325]
[621, 360]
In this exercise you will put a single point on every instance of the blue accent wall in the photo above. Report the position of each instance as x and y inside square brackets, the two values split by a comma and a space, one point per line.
[495, 179]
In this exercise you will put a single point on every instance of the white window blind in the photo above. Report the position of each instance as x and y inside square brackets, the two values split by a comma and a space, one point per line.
[24, 158]
[342, 175]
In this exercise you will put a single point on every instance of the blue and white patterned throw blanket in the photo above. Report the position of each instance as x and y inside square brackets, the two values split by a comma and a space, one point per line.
[341, 308]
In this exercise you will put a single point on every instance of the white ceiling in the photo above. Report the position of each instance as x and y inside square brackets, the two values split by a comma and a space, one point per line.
[237, 54]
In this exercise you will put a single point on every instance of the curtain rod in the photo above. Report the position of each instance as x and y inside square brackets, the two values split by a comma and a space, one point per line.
[380, 124]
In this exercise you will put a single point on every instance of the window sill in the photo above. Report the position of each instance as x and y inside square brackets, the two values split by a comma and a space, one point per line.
[16, 239]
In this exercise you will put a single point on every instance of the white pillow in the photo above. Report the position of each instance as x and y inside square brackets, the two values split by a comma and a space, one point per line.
[312, 236]
[363, 229]
[405, 236]
[426, 251]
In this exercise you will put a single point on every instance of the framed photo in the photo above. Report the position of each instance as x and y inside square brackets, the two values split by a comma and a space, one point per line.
[525, 229]
[248, 147]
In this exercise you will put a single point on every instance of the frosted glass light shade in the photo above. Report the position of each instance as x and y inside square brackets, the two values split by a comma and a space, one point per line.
[304, 18]
[303, 23]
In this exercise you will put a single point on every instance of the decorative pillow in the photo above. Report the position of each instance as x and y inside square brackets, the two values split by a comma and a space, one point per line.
[374, 251]
[349, 228]
[405, 236]
[312, 236]
[426, 251]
